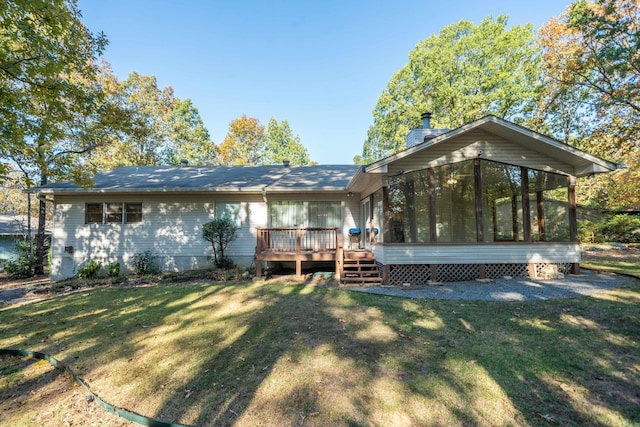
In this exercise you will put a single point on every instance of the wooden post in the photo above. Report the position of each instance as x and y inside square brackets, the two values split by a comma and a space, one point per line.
[478, 193]
[540, 207]
[339, 255]
[298, 252]
[526, 208]
[433, 226]
[386, 214]
[573, 220]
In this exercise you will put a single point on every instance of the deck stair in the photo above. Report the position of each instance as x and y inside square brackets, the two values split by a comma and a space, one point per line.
[359, 267]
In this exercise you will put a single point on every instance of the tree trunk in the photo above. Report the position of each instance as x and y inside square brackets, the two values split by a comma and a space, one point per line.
[42, 218]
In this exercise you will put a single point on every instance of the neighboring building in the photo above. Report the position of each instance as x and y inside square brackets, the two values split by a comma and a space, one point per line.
[14, 228]
[487, 199]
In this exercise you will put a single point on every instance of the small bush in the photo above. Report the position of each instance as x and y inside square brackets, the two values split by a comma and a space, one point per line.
[622, 228]
[220, 232]
[113, 269]
[145, 263]
[24, 266]
[90, 271]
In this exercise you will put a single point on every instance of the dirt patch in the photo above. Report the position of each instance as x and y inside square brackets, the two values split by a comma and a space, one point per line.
[8, 283]
[32, 393]
[620, 254]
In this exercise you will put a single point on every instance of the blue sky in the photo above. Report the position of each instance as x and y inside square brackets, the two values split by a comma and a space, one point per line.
[321, 65]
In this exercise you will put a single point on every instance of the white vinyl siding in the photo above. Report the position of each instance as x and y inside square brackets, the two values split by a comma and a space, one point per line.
[479, 253]
[171, 229]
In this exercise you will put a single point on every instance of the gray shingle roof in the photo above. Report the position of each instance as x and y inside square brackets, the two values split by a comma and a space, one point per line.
[215, 178]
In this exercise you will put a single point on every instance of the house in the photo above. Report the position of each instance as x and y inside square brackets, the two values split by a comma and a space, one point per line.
[14, 228]
[487, 199]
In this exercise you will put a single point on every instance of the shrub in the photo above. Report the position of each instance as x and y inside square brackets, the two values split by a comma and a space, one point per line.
[113, 269]
[220, 232]
[622, 228]
[25, 265]
[145, 263]
[90, 271]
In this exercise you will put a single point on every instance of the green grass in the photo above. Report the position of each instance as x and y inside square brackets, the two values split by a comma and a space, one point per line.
[631, 267]
[256, 354]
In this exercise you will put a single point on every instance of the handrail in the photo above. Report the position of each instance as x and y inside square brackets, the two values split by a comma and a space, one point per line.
[297, 239]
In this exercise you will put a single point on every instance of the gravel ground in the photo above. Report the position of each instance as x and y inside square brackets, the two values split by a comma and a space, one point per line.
[513, 289]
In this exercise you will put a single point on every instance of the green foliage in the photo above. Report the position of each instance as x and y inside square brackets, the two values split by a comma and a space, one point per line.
[24, 266]
[281, 144]
[113, 269]
[220, 232]
[145, 263]
[90, 271]
[622, 228]
[592, 89]
[460, 75]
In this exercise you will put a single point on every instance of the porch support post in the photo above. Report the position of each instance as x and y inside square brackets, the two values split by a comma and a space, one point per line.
[385, 274]
[339, 254]
[431, 179]
[573, 220]
[478, 193]
[526, 207]
[298, 252]
[386, 214]
[540, 207]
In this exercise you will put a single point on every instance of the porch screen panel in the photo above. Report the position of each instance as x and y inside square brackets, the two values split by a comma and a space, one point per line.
[455, 203]
[409, 208]
[286, 214]
[549, 201]
[501, 201]
[325, 214]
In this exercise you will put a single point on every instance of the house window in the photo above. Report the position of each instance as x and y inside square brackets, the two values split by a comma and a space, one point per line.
[325, 214]
[229, 210]
[133, 212]
[286, 214]
[314, 214]
[93, 213]
[113, 213]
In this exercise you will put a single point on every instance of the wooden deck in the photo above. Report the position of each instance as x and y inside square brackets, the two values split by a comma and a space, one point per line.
[299, 245]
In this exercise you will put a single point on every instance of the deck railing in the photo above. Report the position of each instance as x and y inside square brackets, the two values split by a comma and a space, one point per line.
[297, 240]
[299, 244]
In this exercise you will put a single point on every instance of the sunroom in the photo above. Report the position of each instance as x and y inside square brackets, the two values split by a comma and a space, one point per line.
[489, 199]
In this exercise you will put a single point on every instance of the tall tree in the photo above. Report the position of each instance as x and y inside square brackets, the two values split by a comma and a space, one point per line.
[47, 80]
[244, 143]
[188, 138]
[460, 75]
[159, 128]
[592, 87]
[281, 144]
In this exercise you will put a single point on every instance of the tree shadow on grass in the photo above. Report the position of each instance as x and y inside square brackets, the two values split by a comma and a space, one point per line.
[300, 355]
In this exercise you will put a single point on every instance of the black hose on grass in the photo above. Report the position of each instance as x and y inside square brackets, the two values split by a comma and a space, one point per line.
[121, 412]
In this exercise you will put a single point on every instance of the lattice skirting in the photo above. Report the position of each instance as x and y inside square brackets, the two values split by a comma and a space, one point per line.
[564, 268]
[420, 274]
[495, 271]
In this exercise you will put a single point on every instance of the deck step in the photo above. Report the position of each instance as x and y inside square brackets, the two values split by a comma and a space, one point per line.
[360, 267]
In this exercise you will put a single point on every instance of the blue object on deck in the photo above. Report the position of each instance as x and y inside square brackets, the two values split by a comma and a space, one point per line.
[375, 230]
[354, 231]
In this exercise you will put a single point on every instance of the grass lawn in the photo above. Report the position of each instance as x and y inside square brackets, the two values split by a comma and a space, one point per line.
[288, 354]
